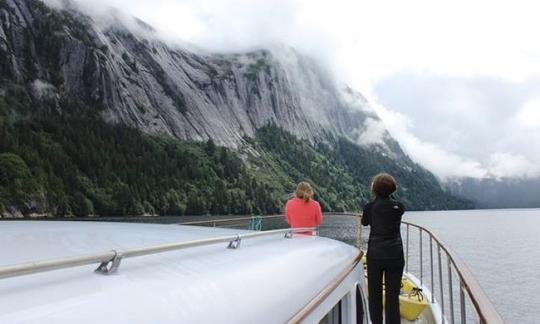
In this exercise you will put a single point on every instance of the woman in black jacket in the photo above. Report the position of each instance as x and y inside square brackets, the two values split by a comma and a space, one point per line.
[385, 249]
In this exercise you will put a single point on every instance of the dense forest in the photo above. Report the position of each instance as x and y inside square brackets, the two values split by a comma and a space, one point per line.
[69, 161]
[76, 164]
[342, 172]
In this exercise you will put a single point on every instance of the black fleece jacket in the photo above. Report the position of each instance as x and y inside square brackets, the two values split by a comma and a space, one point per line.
[384, 217]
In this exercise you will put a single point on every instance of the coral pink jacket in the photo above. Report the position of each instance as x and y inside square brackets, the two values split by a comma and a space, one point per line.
[299, 213]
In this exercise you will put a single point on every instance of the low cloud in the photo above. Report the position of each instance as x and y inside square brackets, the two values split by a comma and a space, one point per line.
[474, 127]
[505, 165]
[373, 132]
[430, 155]
[458, 106]
[362, 41]
[106, 16]
[529, 115]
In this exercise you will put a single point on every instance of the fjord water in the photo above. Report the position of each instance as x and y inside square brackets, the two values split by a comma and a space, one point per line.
[501, 248]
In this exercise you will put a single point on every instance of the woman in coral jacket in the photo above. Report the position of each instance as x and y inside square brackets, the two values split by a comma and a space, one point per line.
[301, 210]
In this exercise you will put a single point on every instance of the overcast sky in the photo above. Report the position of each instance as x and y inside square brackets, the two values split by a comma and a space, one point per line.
[456, 82]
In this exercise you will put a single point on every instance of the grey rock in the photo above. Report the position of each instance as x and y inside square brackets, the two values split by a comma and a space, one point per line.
[12, 212]
[138, 80]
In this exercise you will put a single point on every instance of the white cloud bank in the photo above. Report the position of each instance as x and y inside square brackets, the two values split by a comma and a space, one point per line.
[505, 165]
[366, 42]
[485, 127]
[431, 156]
[529, 115]
[446, 164]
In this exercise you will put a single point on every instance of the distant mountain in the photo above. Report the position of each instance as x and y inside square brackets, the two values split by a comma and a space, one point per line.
[100, 116]
[498, 193]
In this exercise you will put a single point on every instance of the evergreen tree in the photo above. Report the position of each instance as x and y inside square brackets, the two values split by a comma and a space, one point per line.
[74, 163]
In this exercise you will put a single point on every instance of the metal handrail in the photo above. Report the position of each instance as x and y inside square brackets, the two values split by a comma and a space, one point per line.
[484, 308]
[219, 221]
[467, 283]
[110, 260]
[247, 218]
[326, 291]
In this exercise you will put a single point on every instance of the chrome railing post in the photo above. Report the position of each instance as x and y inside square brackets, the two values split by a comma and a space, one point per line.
[359, 232]
[462, 303]
[421, 260]
[431, 265]
[407, 250]
[450, 292]
[441, 288]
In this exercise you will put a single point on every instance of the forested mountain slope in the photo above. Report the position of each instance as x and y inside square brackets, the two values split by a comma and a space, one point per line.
[97, 118]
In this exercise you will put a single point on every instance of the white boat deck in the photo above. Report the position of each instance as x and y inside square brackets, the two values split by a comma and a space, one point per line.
[208, 284]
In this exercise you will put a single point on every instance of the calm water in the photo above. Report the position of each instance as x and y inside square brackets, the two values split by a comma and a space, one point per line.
[501, 248]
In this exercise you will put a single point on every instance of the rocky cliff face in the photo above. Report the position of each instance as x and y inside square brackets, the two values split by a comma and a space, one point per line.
[68, 80]
[139, 80]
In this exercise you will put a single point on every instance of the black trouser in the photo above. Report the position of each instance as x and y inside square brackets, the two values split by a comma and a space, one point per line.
[392, 269]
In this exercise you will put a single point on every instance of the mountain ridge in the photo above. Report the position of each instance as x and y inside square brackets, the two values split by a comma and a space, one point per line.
[142, 82]
[59, 66]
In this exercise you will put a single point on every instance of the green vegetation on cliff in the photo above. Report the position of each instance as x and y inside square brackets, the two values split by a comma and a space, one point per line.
[74, 163]
[77, 164]
[341, 172]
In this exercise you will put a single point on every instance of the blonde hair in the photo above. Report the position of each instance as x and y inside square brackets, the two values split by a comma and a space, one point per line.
[304, 191]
